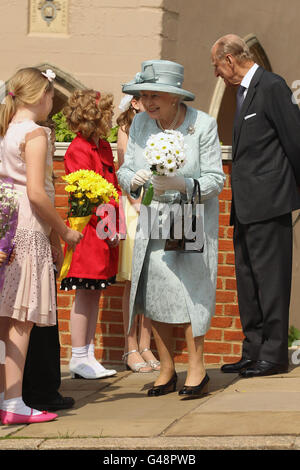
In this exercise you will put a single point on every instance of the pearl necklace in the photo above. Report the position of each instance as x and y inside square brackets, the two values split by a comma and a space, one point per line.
[173, 123]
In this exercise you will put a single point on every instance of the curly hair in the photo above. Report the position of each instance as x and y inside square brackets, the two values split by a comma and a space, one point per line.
[89, 115]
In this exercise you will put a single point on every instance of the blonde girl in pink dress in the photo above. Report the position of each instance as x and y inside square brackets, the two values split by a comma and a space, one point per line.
[28, 294]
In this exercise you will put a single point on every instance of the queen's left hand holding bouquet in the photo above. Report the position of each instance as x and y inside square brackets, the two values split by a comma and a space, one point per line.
[87, 190]
[8, 223]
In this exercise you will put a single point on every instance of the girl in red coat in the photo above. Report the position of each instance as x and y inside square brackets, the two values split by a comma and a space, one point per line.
[95, 261]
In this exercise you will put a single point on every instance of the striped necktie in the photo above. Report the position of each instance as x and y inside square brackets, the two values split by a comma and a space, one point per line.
[239, 101]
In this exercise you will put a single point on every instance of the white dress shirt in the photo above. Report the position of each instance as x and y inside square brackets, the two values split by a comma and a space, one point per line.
[248, 77]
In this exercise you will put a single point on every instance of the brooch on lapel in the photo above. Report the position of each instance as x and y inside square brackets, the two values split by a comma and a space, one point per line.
[191, 130]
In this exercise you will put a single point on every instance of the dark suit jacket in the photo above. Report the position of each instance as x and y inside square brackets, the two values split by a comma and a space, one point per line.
[266, 151]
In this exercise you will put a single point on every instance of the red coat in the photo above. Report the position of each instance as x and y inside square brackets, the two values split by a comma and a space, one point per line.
[93, 258]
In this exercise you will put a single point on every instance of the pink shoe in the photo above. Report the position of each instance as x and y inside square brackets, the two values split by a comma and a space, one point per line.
[13, 418]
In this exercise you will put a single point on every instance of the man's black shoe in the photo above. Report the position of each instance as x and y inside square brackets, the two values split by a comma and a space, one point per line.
[237, 366]
[263, 368]
[58, 403]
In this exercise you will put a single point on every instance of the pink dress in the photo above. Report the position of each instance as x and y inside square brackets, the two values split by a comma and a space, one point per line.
[29, 287]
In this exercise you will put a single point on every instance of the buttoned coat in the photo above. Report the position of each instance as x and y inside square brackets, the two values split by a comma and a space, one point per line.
[93, 258]
[174, 287]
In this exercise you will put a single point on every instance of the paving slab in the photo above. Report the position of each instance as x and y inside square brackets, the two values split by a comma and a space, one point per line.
[120, 408]
[237, 424]
[116, 413]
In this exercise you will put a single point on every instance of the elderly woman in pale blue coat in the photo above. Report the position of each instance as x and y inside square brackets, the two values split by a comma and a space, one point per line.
[170, 287]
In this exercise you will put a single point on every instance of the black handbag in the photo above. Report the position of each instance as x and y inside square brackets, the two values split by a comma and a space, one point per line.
[189, 224]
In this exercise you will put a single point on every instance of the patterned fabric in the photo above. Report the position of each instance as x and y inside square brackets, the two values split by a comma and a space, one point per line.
[29, 287]
[73, 283]
[176, 287]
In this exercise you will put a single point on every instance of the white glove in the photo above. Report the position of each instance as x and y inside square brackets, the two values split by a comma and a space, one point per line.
[164, 183]
[140, 177]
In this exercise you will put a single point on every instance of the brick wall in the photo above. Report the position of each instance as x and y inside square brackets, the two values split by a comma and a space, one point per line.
[223, 340]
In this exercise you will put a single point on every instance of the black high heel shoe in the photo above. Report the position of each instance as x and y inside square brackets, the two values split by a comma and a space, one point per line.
[169, 387]
[195, 391]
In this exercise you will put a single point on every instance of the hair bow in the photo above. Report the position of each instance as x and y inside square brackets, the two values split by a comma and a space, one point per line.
[49, 74]
[125, 102]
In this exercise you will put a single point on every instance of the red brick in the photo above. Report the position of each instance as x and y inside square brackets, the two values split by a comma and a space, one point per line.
[226, 271]
[222, 232]
[232, 310]
[65, 339]
[116, 303]
[230, 258]
[214, 334]
[229, 232]
[224, 219]
[212, 359]
[233, 336]
[115, 291]
[224, 296]
[64, 301]
[219, 309]
[115, 329]
[63, 326]
[112, 341]
[231, 284]
[222, 207]
[101, 328]
[217, 348]
[226, 195]
[237, 349]
[115, 355]
[63, 314]
[231, 359]
[226, 245]
[221, 322]
[111, 316]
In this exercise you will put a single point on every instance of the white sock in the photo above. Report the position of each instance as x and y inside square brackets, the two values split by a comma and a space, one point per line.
[16, 405]
[91, 350]
[79, 354]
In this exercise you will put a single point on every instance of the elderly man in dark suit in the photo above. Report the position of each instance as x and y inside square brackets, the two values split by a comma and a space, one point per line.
[265, 179]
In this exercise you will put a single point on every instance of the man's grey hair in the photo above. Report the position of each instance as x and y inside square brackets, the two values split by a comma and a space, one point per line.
[234, 45]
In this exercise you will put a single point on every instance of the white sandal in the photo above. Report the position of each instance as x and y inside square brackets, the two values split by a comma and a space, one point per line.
[137, 366]
[154, 364]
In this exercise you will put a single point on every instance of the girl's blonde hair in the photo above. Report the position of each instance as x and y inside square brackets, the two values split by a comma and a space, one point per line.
[26, 87]
[89, 113]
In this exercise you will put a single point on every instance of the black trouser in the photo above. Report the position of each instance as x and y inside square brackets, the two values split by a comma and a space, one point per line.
[263, 260]
[42, 374]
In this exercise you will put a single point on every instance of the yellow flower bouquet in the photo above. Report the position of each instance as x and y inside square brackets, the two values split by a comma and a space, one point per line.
[87, 190]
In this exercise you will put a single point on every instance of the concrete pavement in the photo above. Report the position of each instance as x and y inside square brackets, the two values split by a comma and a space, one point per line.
[116, 413]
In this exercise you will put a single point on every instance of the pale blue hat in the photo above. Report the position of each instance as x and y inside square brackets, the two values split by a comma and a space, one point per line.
[159, 75]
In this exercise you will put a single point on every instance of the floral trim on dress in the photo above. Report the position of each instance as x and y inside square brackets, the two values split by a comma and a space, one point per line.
[73, 283]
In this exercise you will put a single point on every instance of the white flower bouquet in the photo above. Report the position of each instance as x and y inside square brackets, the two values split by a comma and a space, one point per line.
[165, 153]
